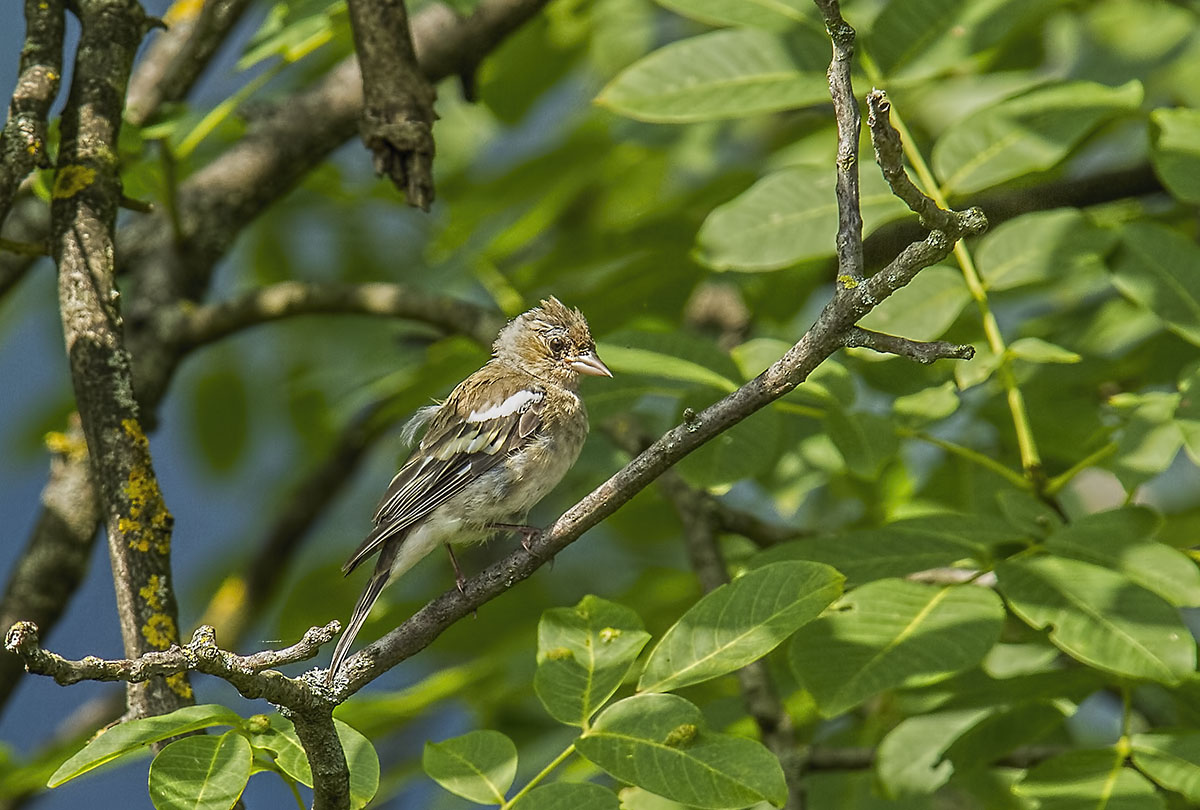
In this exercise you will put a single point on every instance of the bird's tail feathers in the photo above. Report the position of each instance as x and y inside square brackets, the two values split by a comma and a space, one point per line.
[374, 587]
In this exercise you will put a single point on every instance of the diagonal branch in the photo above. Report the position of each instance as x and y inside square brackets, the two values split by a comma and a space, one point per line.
[23, 140]
[397, 115]
[212, 322]
[176, 58]
[920, 351]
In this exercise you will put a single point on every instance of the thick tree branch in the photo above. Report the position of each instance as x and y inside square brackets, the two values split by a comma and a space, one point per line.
[849, 123]
[23, 140]
[83, 213]
[176, 58]
[397, 116]
[286, 299]
[920, 351]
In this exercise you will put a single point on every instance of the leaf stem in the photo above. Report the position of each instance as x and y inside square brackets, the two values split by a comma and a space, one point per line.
[974, 456]
[1055, 484]
[554, 763]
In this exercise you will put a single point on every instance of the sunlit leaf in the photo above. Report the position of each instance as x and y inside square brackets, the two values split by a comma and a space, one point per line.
[1170, 759]
[202, 772]
[1176, 151]
[1088, 780]
[568, 796]
[478, 766]
[772, 15]
[1155, 269]
[925, 308]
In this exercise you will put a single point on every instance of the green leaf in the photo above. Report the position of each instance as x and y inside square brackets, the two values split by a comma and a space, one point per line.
[1122, 540]
[927, 405]
[748, 449]
[771, 15]
[671, 357]
[478, 766]
[659, 742]
[1099, 617]
[899, 548]
[132, 736]
[202, 772]
[924, 309]
[891, 633]
[1036, 350]
[739, 622]
[1150, 438]
[909, 760]
[723, 74]
[867, 441]
[583, 654]
[1175, 151]
[1170, 759]
[1088, 780]
[1187, 415]
[1029, 132]
[568, 796]
[1041, 246]
[363, 763]
[294, 29]
[1156, 269]
[280, 739]
[788, 217]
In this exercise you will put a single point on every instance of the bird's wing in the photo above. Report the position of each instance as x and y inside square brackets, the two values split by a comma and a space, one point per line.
[459, 447]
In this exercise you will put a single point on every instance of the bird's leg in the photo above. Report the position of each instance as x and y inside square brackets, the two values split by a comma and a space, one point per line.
[459, 580]
[528, 533]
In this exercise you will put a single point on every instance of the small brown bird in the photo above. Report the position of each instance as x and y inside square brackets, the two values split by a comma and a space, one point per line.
[496, 446]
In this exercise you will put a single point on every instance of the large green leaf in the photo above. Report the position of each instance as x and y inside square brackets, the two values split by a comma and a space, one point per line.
[1122, 539]
[478, 766]
[1156, 269]
[910, 761]
[363, 763]
[203, 772]
[131, 736]
[1176, 151]
[892, 633]
[925, 308]
[583, 655]
[1041, 246]
[772, 15]
[899, 548]
[568, 796]
[787, 217]
[1088, 780]
[723, 74]
[740, 622]
[1172, 759]
[671, 357]
[1100, 617]
[1150, 438]
[1029, 132]
[659, 742]
[279, 738]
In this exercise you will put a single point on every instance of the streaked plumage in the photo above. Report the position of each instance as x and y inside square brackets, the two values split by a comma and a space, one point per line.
[496, 446]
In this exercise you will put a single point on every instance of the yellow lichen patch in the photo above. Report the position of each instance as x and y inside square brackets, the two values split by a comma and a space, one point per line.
[182, 10]
[159, 631]
[178, 684]
[847, 282]
[148, 524]
[154, 592]
[65, 444]
[70, 180]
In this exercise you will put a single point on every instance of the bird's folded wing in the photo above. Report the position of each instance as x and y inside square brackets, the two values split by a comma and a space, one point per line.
[457, 450]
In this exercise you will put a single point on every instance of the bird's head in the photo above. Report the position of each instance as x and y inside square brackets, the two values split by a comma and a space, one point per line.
[551, 342]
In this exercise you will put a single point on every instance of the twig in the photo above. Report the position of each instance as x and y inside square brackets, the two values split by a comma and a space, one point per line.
[176, 58]
[285, 299]
[83, 214]
[889, 154]
[920, 351]
[23, 140]
[849, 124]
[201, 654]
[397, 116]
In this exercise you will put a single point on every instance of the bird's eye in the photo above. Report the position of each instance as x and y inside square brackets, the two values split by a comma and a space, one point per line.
[557, 345]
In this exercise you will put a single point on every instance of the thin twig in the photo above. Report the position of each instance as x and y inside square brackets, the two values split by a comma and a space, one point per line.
[920, 351]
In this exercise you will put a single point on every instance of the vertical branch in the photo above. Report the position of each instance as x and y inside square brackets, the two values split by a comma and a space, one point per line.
[23, 141]
[849, 124]
[83, 212]
[331, 775]
[397, 116]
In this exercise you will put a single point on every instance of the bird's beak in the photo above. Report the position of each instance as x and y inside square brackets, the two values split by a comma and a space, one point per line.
[591, 365]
